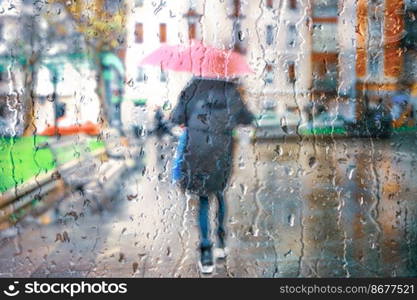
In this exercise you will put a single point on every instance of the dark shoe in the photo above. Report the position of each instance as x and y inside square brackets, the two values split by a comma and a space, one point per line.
[221, 235]
[206, 261]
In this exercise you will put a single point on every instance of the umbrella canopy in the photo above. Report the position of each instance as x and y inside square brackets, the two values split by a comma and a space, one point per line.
[200, 60]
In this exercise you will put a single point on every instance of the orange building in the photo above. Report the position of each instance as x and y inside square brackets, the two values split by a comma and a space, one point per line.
[386, 36]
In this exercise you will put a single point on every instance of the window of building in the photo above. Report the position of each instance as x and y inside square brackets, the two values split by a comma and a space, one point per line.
[325, 73]
[236, 7]
[269, 3]
[192, 31]
[192, 4]
[3, 112]
[139, 33]
[270, 32]
[193, 19]
[162, 33]
[410, 39]
[374, 63]
[324, 38]
[141, 76]
[293, 4]
[291, 36]
[269, 74]
[291, 72]
[138, 3]
[112, 6]
[163, 77]
[238, 38]
[326, 8]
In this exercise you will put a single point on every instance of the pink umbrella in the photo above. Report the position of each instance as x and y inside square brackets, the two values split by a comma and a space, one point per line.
[202, 61]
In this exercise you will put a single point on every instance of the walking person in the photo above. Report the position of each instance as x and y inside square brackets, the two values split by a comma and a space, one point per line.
[209, 109]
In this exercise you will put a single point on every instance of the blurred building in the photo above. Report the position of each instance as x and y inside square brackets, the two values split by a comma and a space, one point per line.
[335, 53]
[102, 24]
[386, 53]
[292, 46]
[14, 19]
[43, 61]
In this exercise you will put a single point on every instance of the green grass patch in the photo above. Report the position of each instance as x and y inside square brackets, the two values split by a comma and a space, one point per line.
[21, 159]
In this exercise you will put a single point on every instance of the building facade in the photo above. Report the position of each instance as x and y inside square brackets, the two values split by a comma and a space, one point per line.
[304, 54]
[386, 52]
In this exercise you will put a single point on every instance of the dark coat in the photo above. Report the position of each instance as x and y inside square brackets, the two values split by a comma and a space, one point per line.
[210, 109]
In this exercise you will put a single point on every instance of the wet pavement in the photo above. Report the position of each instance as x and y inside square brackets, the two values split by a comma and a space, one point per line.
[311, 208]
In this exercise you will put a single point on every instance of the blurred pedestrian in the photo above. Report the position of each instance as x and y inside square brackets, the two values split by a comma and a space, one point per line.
[161, 126]
[209, 109]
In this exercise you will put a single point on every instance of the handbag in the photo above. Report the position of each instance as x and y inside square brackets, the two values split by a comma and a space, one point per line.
[177, 171]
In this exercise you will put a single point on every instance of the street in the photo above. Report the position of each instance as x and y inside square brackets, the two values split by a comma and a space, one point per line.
[316, 207]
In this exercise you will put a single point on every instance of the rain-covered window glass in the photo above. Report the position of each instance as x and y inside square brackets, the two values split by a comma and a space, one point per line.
[195, 138]
[324, 39]
[139, 33]
[270, 33]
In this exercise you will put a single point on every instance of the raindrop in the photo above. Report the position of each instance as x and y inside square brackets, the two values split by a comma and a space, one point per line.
[131, 197]
[312, 161]
[241, 36]
[288, 253]
[350, 171]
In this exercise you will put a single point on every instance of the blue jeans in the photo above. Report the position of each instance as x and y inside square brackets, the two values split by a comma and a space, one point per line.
[205, 223]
